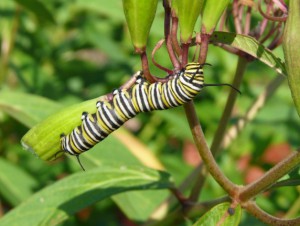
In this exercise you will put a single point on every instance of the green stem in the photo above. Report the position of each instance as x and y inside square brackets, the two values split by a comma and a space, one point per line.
[8, 42]
[270, 177]
[294, 209]
[252, 111]
[253, 209]
[204, 151]
[219, 135]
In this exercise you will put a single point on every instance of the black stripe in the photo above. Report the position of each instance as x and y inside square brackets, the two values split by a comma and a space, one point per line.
[126, 107]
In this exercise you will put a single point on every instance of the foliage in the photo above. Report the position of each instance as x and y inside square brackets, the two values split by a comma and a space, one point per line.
[58, 57]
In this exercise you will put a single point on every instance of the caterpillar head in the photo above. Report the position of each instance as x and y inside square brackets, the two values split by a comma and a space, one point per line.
[194, 72]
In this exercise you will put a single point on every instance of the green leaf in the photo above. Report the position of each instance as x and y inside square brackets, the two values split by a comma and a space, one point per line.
[112, 151]
[15, 184]
[179, 124]
[212, 11]
[188, 13]
[44, 138]
[251, 46]
[112, 8]
[139, 15]
[222, 215]
[26, 108]
[148, 201]
[39, 9]
[55, 203]
[291, 46]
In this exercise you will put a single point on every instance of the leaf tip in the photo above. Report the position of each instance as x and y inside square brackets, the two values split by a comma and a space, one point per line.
[28, 148]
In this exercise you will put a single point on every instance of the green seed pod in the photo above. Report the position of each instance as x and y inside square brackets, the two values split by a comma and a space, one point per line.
[291, 47]
[139, 16]
[188, 13]
[211, 13]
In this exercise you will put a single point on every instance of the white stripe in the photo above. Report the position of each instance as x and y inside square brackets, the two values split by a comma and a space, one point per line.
[105, 120]
[78, 139]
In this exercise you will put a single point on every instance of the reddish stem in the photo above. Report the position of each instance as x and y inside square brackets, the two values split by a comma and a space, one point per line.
[269, 17]
[157, 47]
[248, 20]
[237, 22]
[185, 52]
[171, 53]
[174, 30]
[145, 67]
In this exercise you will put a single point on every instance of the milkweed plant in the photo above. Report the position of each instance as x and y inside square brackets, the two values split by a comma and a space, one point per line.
[230, 156]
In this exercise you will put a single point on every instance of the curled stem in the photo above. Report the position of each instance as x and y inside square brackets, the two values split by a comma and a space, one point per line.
[146, 71]
[269, 17]
[157, 47]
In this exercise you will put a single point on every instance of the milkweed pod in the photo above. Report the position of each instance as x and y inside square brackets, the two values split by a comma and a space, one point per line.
[139, 16]
[291, 46]
[188, 13]
[211, 13]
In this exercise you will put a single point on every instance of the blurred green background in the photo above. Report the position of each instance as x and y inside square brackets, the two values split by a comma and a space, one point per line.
[69, 51]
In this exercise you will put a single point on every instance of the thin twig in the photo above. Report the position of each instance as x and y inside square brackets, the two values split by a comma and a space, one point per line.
[281, 5]
[219, 135]
[294, 209]
[260, 101]
[199, 183]
[282, 168]
[145, 67]
[271, 31]
[168, 39]
[247, 21]
[269, 17]
[174, 30]
[277, 38]
[237, 22]
[157, 47]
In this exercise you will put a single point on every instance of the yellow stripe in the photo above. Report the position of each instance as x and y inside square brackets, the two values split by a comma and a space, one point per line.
[101, 123]
[85, 134]
[176, 96]
[134, 101]
[163, 97]
[73, 146]
[150, 97]
[118, 111]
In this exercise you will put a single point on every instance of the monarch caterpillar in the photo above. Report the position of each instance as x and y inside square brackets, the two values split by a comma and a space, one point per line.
[181, 88]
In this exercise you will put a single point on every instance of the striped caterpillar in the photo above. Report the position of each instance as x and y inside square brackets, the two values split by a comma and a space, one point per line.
[126, 104]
